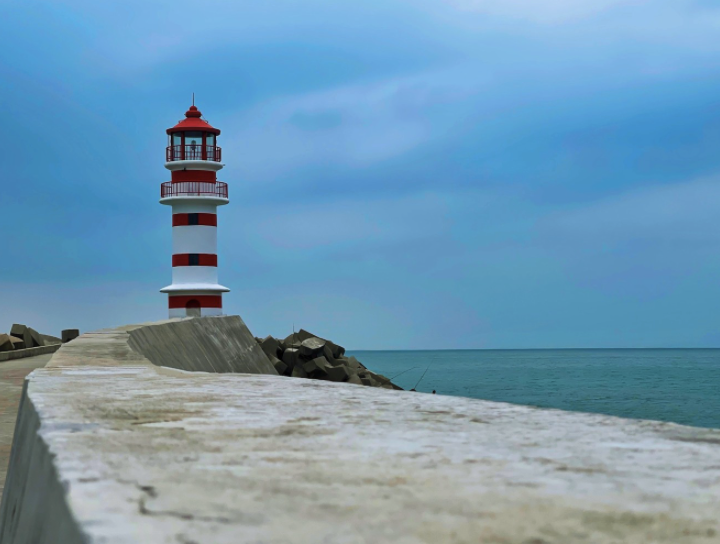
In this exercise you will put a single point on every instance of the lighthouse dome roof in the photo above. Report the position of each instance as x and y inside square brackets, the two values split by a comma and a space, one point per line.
[193, 121]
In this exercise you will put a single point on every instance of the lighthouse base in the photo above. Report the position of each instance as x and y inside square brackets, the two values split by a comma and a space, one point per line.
[194, 312]
[194, 305]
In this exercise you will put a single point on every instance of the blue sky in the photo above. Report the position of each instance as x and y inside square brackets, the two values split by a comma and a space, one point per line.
[403, 174]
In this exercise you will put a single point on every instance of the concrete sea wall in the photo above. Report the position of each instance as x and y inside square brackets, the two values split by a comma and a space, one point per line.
[112, 448]
[209, 345]
[28, 352]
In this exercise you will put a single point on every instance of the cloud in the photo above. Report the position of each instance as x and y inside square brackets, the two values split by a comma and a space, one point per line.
[352, 125]
[541, 11]
[677, 214]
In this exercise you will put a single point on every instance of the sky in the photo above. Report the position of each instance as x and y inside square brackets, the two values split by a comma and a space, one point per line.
[447, 174]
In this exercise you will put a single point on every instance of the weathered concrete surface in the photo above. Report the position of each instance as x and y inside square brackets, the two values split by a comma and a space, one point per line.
[12, 377]
[132, 452]
[28, 352]
[214, 344]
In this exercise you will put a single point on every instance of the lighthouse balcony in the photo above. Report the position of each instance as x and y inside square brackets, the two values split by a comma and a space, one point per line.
[211, 189]
[193, 152]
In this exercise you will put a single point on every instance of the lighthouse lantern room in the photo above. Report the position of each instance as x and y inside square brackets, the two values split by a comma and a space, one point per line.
[194, 193]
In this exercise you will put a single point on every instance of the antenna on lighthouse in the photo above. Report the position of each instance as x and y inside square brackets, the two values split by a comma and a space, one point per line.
[193, 99]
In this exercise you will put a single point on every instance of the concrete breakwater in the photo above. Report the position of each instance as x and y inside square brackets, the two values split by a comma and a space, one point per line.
[117, 441]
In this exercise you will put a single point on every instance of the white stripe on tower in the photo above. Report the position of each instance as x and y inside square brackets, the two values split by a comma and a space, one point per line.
[194, 239]
[195, 274]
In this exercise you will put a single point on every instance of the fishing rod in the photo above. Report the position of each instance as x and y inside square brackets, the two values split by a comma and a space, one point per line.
[421, 377]
[403, 372]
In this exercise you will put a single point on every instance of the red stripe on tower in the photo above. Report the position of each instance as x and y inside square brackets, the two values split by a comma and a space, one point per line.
[178, 176]
[190, 219]
[204, 301]
[194, 259]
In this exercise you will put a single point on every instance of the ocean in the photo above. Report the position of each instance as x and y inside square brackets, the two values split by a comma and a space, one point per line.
[677, 385]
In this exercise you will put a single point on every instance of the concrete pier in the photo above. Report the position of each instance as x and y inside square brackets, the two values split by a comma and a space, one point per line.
[112, 448]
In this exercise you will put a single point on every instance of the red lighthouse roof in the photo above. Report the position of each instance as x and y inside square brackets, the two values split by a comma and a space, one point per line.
[193, 121]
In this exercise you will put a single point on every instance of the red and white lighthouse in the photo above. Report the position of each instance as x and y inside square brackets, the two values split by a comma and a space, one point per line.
[193, 157]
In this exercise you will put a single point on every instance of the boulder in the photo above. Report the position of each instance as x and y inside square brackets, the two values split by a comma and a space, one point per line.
[271, 346]
[317, 367]
[298, 372]
[291, 357]
[338, 373]
[354, 378]
[311, 347]
[5, 343]
[17, 330]
[36, 338]
[69, 334]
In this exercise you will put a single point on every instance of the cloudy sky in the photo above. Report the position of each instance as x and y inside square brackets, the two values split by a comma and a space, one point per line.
[403, 174]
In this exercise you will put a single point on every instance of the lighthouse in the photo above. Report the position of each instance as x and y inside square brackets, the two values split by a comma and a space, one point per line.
[194, 193]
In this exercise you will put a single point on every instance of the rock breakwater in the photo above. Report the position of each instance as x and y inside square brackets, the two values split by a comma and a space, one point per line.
[303, 354]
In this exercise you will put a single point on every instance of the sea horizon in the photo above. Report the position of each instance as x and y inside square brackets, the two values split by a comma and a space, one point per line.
[676, 385]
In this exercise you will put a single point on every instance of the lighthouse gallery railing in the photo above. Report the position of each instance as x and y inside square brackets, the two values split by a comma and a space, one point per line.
[193, 153]
[194, 188]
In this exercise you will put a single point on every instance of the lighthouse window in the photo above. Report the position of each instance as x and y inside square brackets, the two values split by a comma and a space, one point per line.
[193, 219]
[193, 136]
[210, 139]
[194, 259]
[177, 138]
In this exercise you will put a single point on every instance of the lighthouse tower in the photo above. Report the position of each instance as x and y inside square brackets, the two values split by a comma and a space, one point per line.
[194, 193]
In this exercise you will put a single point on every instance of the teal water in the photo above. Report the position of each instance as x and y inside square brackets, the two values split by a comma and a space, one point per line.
[678, 385]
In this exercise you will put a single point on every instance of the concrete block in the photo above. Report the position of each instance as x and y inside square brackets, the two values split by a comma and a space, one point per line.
[352, 362]
[301, 335]
[281, 367]
[338, 373]
[6, 343]
[327, 353]
[298, 372]
[291, 357]
[354, 378]
[317, 367]
[311, 347]
[19, 343]
[17, 330]
[336, 350]
[296, 338]
[271, 346]
[69, 334]
[50, 340]
[35, 338]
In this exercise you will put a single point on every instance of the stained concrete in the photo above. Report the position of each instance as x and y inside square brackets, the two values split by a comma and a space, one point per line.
[12, 377]
[214, 344]
[133, 452]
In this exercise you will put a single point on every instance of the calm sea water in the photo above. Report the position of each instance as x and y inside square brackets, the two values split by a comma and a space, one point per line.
[678, 385]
